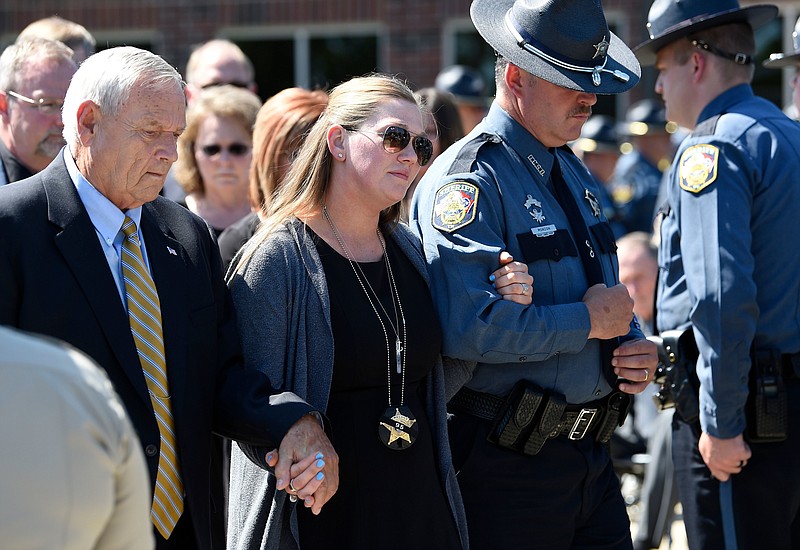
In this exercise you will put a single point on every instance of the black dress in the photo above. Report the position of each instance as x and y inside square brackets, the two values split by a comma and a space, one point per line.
[386, 498]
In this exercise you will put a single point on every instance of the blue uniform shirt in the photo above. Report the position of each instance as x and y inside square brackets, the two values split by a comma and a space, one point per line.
[491, 192]
[728, 263]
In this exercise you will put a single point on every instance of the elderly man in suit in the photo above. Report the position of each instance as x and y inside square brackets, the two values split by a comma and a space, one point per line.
[91, 254]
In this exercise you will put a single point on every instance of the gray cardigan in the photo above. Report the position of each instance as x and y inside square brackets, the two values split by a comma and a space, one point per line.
[283, 312]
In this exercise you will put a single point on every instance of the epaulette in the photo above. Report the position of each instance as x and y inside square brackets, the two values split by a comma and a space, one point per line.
[707, 127]
[469, 152]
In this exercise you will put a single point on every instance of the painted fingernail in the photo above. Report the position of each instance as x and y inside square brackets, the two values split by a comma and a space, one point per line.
[320, 476]
[269, 457]
[320, 463]
[307, 502]
[280, 483]
[319, 456]
[491, 278]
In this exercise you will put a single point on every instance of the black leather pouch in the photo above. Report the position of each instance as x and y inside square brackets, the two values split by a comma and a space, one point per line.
[766, 410]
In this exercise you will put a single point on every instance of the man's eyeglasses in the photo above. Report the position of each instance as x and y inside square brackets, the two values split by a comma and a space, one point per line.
[235, 149]
[397, 138]
[46, 105]
[235, 83]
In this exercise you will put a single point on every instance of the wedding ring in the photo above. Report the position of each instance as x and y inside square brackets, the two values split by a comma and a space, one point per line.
[646, 375]
[291, 486]
[524, 289]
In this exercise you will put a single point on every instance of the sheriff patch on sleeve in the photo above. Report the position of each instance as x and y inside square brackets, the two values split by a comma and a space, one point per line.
[698, 167]
[454, 206]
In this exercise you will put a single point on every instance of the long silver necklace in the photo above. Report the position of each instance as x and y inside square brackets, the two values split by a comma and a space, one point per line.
[397, 427]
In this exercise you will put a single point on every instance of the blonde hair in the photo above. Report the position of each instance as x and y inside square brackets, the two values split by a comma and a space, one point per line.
[349, 105]
[224, 101]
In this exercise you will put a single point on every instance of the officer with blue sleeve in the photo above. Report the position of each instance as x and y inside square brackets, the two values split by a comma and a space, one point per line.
[530, 428]
[729, 271]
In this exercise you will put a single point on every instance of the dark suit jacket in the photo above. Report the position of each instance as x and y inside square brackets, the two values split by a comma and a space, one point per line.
[54, 279]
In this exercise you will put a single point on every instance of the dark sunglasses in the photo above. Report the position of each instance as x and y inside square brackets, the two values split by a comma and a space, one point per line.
[397, 138]
[235, 149]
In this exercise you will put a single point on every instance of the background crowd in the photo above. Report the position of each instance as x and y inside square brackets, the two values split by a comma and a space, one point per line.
[289, 269]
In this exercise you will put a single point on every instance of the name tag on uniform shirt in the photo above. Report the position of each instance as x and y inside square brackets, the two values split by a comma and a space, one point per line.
[543, 231]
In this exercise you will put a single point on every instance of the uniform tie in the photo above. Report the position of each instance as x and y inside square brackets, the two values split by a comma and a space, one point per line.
[590, 260]
[144, 314]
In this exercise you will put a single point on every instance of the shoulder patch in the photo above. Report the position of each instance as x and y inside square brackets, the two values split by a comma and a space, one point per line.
[698, 167]
[454, 206]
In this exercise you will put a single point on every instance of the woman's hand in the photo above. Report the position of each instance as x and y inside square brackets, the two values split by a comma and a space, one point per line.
[512, 281]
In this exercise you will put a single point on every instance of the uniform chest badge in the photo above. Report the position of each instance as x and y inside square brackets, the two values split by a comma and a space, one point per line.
[698, 167]
[534, 208]
[593, 202]
[454, 206]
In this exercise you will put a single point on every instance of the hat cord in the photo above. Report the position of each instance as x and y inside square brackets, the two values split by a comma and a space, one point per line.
[524, 43]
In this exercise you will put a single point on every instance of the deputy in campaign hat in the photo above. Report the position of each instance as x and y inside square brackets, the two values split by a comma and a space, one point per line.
[669, 20]
[646, 117]
[564, 42]
[781, 60]
[468, 89]
[465, 83]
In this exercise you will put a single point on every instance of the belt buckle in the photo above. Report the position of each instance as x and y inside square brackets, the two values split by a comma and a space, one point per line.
[582, 423]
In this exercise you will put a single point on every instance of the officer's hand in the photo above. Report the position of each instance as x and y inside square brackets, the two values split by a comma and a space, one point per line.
[635, 361]
[305, 439]
[512, 280]
[610, 310]
[724, 456]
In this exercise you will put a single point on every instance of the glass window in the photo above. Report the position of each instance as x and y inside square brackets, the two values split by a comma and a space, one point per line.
[339, 58]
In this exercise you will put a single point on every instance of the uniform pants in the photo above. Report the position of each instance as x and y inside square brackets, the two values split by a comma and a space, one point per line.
[764, 498]
[659, 494]
[567, 496]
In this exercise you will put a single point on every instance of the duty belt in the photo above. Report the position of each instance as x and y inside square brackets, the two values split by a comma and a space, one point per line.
[574, 421]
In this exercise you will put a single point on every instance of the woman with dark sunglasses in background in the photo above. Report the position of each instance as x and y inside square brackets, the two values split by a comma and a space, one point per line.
[333, 304]
[214, 154]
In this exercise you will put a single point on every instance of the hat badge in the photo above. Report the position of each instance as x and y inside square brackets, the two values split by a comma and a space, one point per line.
[601, 48]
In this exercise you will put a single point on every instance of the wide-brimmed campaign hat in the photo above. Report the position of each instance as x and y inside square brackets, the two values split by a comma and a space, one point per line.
[781, 60]
[465, 83]
[669, 20]
[646, 117]
[565, 42]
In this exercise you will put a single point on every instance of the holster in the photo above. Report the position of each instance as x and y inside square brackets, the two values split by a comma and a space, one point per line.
[766, 409]
[530, 416]
[676, 373]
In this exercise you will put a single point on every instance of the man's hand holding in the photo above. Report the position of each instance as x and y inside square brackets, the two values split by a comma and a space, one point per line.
[315, 477]
[635, 361]
[610, 311]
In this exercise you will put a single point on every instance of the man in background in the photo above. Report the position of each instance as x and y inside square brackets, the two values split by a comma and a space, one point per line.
[790, 60]
[212, 63]
[73, 35]
[648, 150]
[34, 76]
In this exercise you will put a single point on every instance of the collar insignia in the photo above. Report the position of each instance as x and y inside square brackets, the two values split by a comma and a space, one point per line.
[593, 202]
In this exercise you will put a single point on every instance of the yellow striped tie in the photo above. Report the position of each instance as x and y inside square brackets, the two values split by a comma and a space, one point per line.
[144, 314]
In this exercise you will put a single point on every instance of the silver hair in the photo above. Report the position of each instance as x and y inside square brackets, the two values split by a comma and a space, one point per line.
[28, 51]
[107, 78]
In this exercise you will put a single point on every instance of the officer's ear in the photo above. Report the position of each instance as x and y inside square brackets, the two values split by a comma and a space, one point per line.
[699, 64]
[514, 77]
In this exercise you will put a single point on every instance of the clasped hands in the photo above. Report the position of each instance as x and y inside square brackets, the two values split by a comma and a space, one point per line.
[610, 313]
[306, 465]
